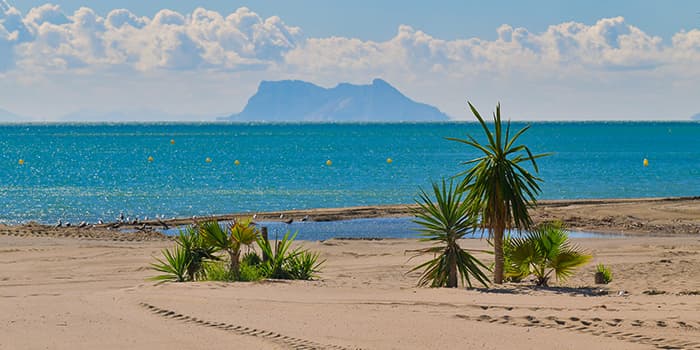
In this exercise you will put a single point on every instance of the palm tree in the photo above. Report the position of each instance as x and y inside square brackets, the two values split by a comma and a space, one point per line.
[547, 247]
[443, 222]
[499, 189]
[230, 239]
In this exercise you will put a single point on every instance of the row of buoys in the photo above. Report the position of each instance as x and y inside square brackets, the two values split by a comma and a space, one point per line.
[237, 162]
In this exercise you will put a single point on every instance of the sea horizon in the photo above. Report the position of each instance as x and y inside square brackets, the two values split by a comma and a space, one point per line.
[92, 171]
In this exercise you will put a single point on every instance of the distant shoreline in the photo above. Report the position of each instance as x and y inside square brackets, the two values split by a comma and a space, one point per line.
[262, 122]
[404, 210]
[659, 216]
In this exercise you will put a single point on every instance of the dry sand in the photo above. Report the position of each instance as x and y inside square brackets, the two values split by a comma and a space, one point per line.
[92, 292]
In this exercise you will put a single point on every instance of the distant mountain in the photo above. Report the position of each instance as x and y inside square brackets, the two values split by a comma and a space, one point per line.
[135, 115]
[295, 100]
[9, 117]
[695, 117]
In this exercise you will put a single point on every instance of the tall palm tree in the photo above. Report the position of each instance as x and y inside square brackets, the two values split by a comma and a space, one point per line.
[499, 189]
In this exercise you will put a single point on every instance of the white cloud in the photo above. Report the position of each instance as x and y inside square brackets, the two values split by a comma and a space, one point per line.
[572, 57]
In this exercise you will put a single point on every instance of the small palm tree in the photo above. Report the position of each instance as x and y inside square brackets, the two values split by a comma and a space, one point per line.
[499, 189]
[174, 266]
[443, 222]
[547, 250]
[229, 239]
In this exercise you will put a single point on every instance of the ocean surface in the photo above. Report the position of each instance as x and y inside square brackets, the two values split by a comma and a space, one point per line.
[77, 172]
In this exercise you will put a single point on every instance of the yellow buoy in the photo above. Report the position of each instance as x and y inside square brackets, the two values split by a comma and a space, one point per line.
[389, 160]
[172, 142]
[21, 162]
[329, 163]
[150, 158]
[208, 160]
[236, 162]
[646, 162]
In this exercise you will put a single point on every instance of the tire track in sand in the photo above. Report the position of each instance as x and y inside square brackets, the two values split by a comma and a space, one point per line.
[283, 340]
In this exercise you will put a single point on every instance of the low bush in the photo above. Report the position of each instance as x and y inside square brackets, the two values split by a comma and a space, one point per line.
[546, 251]
[605, 273]
[304, 266]
[210, 251]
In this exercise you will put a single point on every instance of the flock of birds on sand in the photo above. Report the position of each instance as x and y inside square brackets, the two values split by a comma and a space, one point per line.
[122, 220]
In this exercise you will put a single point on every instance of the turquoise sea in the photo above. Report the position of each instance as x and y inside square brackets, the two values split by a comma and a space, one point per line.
[78, 172]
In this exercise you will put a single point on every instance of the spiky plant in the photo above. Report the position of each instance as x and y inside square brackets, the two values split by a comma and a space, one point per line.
[276, 264]
[499, 189]
[443, 222]
[197, 249]
[174, 267]
[546, 251]
[305, 265]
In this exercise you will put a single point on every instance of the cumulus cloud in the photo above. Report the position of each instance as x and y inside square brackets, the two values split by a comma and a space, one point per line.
[47, 42]
[48, 39]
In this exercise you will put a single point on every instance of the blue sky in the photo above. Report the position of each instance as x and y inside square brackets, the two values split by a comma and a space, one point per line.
[544, 60]
[378, 20]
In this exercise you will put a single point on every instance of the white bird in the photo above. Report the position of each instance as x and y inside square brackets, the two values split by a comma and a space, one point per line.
[59, 223]
[100, 222]
[305, 218]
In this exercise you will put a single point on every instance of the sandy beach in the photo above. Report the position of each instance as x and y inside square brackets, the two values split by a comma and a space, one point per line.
[73, 288]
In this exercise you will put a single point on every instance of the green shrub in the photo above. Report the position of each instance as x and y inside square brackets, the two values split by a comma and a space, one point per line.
[251, 259]
[547, 250]
[304, 266]
[250, 273]
[606, 273]
[193, 257]
[218, 271]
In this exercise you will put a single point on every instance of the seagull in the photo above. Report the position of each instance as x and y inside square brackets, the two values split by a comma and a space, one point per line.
[121, 216]
[82, 224]
[289, 221]
[100, 222]
[60, 223]
[67, 224]
[305, 218]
